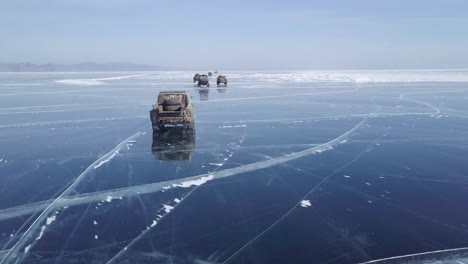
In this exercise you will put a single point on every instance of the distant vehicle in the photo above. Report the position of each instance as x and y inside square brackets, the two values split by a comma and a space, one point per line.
[204, 92]
[196, 77]
[203, 81]
[173, 144]
[173, 108]
[221, 80]
[210, 74]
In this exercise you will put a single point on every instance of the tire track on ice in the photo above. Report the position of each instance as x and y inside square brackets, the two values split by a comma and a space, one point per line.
[35, 229]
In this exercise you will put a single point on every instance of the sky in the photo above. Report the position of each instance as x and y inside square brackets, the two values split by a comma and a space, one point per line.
[238, 34]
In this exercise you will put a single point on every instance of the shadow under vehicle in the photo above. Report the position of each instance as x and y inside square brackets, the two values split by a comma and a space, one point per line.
[203, 81]
[173, 144]
[173, 108]
[204, 92]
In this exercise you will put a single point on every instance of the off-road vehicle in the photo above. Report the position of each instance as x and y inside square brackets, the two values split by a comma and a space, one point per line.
[173, 144]
[173, 108]
[196, 77]
[203, 81]
[221, 80]
[210, 74]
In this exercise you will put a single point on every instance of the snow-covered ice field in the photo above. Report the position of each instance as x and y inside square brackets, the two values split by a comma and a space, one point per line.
[283, 167]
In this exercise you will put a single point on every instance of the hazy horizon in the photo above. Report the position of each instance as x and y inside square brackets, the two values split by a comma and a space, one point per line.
[239, 35]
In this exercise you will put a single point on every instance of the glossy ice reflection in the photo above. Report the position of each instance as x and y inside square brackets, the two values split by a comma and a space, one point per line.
[283, 167]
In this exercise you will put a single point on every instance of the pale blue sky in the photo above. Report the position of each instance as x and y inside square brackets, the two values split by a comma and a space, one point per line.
[238, 34]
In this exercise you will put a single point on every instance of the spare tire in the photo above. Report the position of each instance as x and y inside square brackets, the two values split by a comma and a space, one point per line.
[171, 107]
[172, 101]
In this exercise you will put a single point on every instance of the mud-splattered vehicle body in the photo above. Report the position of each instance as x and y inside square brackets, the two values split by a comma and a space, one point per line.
[173, 144]
[173, 108]
[221, 80]
[196, 77]
[204, 80]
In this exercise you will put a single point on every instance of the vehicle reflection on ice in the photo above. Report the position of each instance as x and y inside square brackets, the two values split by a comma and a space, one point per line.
[204, 94]
[173, 144]
[222, 90]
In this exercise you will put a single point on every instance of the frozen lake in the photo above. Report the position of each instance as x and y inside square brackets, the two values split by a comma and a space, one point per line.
[283, 167]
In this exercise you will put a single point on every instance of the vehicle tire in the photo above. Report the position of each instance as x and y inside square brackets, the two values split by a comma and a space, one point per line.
[191, 125]
[156, 128]
[208, 85]
[172, 101]
[172, 107]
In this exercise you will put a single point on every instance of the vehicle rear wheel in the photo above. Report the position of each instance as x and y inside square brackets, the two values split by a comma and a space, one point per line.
[191, 125]
[156, 128]
[172, 101]
[171, 107]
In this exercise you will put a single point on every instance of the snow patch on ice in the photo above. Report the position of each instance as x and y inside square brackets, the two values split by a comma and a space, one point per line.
[102, 162]
[26, 249]
[346, 176]
[154, 223]
[359, 76]
[80, 82]
[167, 208]
[232, 126]
[96, 81]
[94, 222]
[305, 203]
[110, 198]
[196, 182]
[96, 236]
[177, 200]
[50, 219]
[41, 233]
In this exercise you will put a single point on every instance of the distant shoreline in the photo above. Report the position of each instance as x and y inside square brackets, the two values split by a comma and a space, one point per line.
[130, 67]
[81, 67]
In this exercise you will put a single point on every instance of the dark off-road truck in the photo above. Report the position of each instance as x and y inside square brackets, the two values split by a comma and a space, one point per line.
[203, 81]
[173, 108]
[196, 77]
[221, 80]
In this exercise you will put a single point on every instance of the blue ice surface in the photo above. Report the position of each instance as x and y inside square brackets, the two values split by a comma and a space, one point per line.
[380, 160]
